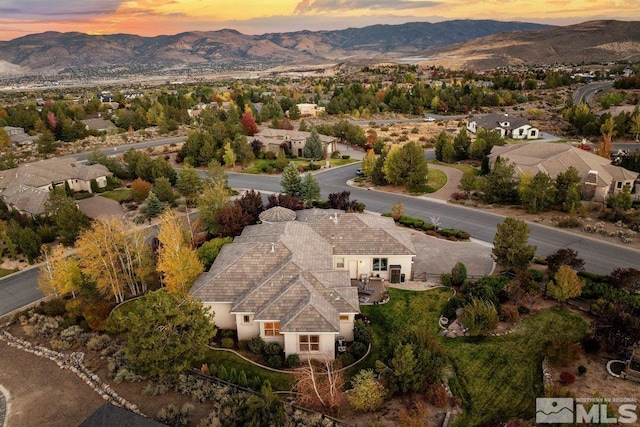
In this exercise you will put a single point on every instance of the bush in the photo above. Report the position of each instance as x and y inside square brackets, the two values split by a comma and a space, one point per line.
[362, 331]
[536, 275]
[561, 352]
[437, 395]
[174, 416]
[569, 222]
[256, 345]
[567, 378]
[227, 342]
[427, 226]
[272, 349]
[582, 370]
[275, 361]
[346, 157]
[346, 359]
[454, 232]
[98, 342]
[293, 361]
[358, 349]
[523, 310]
[243, 344]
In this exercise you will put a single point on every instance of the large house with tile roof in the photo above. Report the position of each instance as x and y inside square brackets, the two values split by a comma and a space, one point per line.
[272, 139]
[26, 188]
[600, 178]
[289, 281]
[507, 126]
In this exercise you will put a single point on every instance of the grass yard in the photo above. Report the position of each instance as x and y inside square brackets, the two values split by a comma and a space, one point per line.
[6, 272]
[435, 180]
[279, 381]
[404, 309]
[502, 376]
[118, 195]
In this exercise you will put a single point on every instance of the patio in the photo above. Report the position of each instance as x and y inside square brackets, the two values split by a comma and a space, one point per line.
[370, 291]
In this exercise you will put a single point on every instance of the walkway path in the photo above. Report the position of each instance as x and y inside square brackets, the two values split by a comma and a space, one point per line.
[453, 180]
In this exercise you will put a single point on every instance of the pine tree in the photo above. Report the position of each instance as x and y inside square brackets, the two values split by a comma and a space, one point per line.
[309, 189]
[290, 180]
[510, 245]
[313, 146]
[153, 206]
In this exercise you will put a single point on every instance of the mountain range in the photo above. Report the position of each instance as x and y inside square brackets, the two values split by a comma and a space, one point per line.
[482, 43]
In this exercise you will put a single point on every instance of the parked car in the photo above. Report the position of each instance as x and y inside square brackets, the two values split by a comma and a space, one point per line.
[359, 172]
[429, 119]
[585, 147]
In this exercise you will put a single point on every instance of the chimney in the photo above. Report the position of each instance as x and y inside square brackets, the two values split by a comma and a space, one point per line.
[273, 247]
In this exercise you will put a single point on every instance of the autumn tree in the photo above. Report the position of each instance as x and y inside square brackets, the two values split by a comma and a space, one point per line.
[565, 284]
[5, 139]
[479, 317]
[290, 180]
[177, 260]
[510, 245]
[229, 156]
[251, 203]
[397, 210]
[60, 273]
[564, 256]
[368, 163]
[367, 393]
[231, 220]
[168, 339]
[249, 123]
[116, 257]
[140, 190]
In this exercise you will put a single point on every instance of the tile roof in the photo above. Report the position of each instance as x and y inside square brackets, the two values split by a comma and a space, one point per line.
[284, 271]
[555, 158]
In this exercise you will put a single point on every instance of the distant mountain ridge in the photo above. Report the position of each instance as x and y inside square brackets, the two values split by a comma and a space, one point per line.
[588, 42]
[53, 51]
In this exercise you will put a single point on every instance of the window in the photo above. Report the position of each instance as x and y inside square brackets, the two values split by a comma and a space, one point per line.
[619, 184]
[379, 264]
[344, 317]
[339, 262]
[271, 329]
[309, 342]
[246, 318]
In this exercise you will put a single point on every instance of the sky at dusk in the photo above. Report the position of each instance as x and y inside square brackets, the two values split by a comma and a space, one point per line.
[155, 17]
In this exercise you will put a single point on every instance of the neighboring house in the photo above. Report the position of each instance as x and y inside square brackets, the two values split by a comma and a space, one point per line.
[18, 136]
[508, 127]
[600, 177]
[288, 280]
[310, 110]
[99, 124]
[27, 187]
[295, 139]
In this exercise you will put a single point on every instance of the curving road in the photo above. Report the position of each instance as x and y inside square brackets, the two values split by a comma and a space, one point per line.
[586, 92]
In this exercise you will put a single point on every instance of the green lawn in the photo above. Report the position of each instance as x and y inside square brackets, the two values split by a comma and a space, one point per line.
[435, 180]
[258, 165]
[502, 376]
[496, 376]
[118, 195]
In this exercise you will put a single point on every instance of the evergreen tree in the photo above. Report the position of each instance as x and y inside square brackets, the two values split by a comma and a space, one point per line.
[313, 146]
[163, 190]
[153, 206]
[500, 185]
[291, 180]
[407, 166]
[441, 141]
[189, 184]
[309, 189]
[537, 194]
[461, 144]
[510, 245]
[568, 188]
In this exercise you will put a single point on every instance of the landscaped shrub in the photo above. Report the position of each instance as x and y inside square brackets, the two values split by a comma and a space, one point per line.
[358, 349]
[173, 416]
[275, 361]
[454, 232]
[582, 370]
[293, 360]
[346, 157]
[243, 344]
[362, 331]
[569, 222]
[567, 378]
[458, 274]
[346, 359]
[437, 395]
[256, 345]
[53, 308]
[59, 344]
[71, 333]
[226, 342]
[455, 302]
[536, 275]
[427, 226]
[561, 352]
[272, 349]
[155, 388]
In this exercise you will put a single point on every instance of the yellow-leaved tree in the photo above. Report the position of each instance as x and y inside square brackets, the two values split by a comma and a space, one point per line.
[115, 255]
[177, 260]
[60, 274]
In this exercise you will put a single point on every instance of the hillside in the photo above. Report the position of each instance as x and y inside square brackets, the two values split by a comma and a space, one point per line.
[588, 42]
[53, 51]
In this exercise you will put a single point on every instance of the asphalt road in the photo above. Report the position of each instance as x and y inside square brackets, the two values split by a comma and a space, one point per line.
[600, 257]
[18, 290]
[585, 93]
